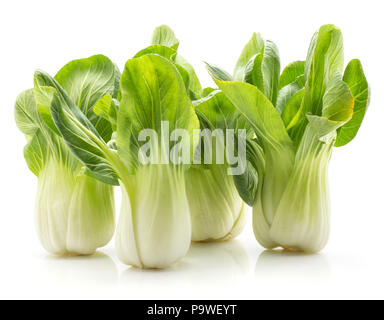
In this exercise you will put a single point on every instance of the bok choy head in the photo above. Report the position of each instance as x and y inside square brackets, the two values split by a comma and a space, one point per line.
[74, 212]
[217, 211]
[154, 228]
[298, 117]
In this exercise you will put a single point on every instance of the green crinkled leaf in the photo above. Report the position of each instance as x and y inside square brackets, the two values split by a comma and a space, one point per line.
[36, 152]
[26, 114]
[170, 54]
[322, 62]
[248, 183]
[185, 75]
[164, 36]
[285, 95]
[263, 71]
[218, 73]
[194, 82]
[253, 47]
[337, 100]
[258, 111]
[44, 95]
[107, 108]
[89, 148]
[219, 113]
[325, 58]
[42, 142]
[152, 91]
[48, 91]
[159, 49]
[337, 108]
[292, 107]
[79, 134]
[355, 79]
[291, 72]
[253, 71]
[86, 81]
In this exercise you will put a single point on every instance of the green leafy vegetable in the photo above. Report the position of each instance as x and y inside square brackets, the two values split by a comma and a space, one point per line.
[316, 108]
[223, 218]
[266, 141]
[355, 79]
[253, 47]
[74, 213]
[165, 37]
[292, 73]
[217, 211]
[152, 91]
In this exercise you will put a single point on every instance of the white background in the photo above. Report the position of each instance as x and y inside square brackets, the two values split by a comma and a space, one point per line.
[47, 34]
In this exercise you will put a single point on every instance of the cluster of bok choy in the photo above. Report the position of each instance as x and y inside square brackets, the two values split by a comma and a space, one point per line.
[84, 131]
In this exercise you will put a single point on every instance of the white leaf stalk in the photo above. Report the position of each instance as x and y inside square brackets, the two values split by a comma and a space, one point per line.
[217, 211]
[74, 214]
[154, 228]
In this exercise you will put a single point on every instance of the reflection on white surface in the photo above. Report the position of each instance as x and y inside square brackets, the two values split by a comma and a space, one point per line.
[292, 266]
[80, 271]
[220, 264]
[222, 259]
